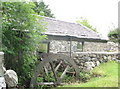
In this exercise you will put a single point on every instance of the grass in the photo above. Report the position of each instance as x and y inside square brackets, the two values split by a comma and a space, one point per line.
[108, 76]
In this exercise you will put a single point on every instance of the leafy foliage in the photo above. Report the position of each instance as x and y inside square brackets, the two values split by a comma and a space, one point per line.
[107, 76]
[114, 35]
[21, 35]
[40, 7]
[86, 23]
[85, 76]
[0, 27]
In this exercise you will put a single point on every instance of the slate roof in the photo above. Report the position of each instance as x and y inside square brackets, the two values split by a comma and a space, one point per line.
[64, 29]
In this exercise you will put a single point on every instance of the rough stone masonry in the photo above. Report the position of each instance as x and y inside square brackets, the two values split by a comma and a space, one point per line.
[88, 60]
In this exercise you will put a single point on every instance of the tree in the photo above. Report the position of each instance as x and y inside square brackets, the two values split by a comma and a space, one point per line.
[21, 35]
[114, 35]
[40, 7]
[86, 23]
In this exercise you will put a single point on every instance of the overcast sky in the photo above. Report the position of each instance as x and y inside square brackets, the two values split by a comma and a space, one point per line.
[102, 14]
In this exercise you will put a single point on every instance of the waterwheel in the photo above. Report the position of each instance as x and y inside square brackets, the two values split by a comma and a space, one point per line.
[53, 62]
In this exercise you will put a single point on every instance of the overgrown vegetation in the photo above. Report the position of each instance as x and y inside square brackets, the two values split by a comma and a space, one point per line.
[86, 23]
[105, 75]
[114, 35]
[21, 35]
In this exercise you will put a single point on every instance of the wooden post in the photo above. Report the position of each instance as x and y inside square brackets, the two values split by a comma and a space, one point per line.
[82, 46]
[48, 48]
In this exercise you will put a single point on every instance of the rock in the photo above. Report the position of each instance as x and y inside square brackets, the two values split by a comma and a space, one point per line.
[77, 61]
[109, 58]
[118, 61]
[94, 55]
[11, 78]
[114, 59]
[97, 63]
[2, 83]
[104, 57]
[89, 65]
[81, 64]
[94, 59]
[87, 58]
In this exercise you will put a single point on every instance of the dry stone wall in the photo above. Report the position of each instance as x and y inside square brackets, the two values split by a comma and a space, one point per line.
[64, 46]
[100, 47]
[88, 60]
[93, 53]
[61, 46]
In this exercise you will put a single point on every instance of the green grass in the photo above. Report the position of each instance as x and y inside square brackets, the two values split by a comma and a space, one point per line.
[108, 78]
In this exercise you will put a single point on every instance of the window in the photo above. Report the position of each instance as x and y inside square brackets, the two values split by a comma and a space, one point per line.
[80, 46]
[43, 47]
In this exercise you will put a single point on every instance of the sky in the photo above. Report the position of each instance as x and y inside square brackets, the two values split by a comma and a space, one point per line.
[101, 14]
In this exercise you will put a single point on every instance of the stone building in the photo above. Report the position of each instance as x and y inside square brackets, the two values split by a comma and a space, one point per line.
[85, 46]
[70, 37]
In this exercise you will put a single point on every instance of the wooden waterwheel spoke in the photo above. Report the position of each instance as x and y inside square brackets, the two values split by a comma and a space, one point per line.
[50, 58]
[46, 71]
[53, 70]
[63, 74]
[58, 66]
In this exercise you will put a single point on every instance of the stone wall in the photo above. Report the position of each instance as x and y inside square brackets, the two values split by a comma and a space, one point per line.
[88, 60]
[93, 53]
[61, 46]
[100, 47]
[64, 46]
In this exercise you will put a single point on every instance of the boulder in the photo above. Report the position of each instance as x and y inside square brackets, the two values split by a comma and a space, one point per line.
[2, 83]
[89, 65]
[11, 78]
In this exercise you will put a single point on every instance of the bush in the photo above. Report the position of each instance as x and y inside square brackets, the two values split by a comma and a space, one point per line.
[114, 35]
[85, 76]
[21, 34]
